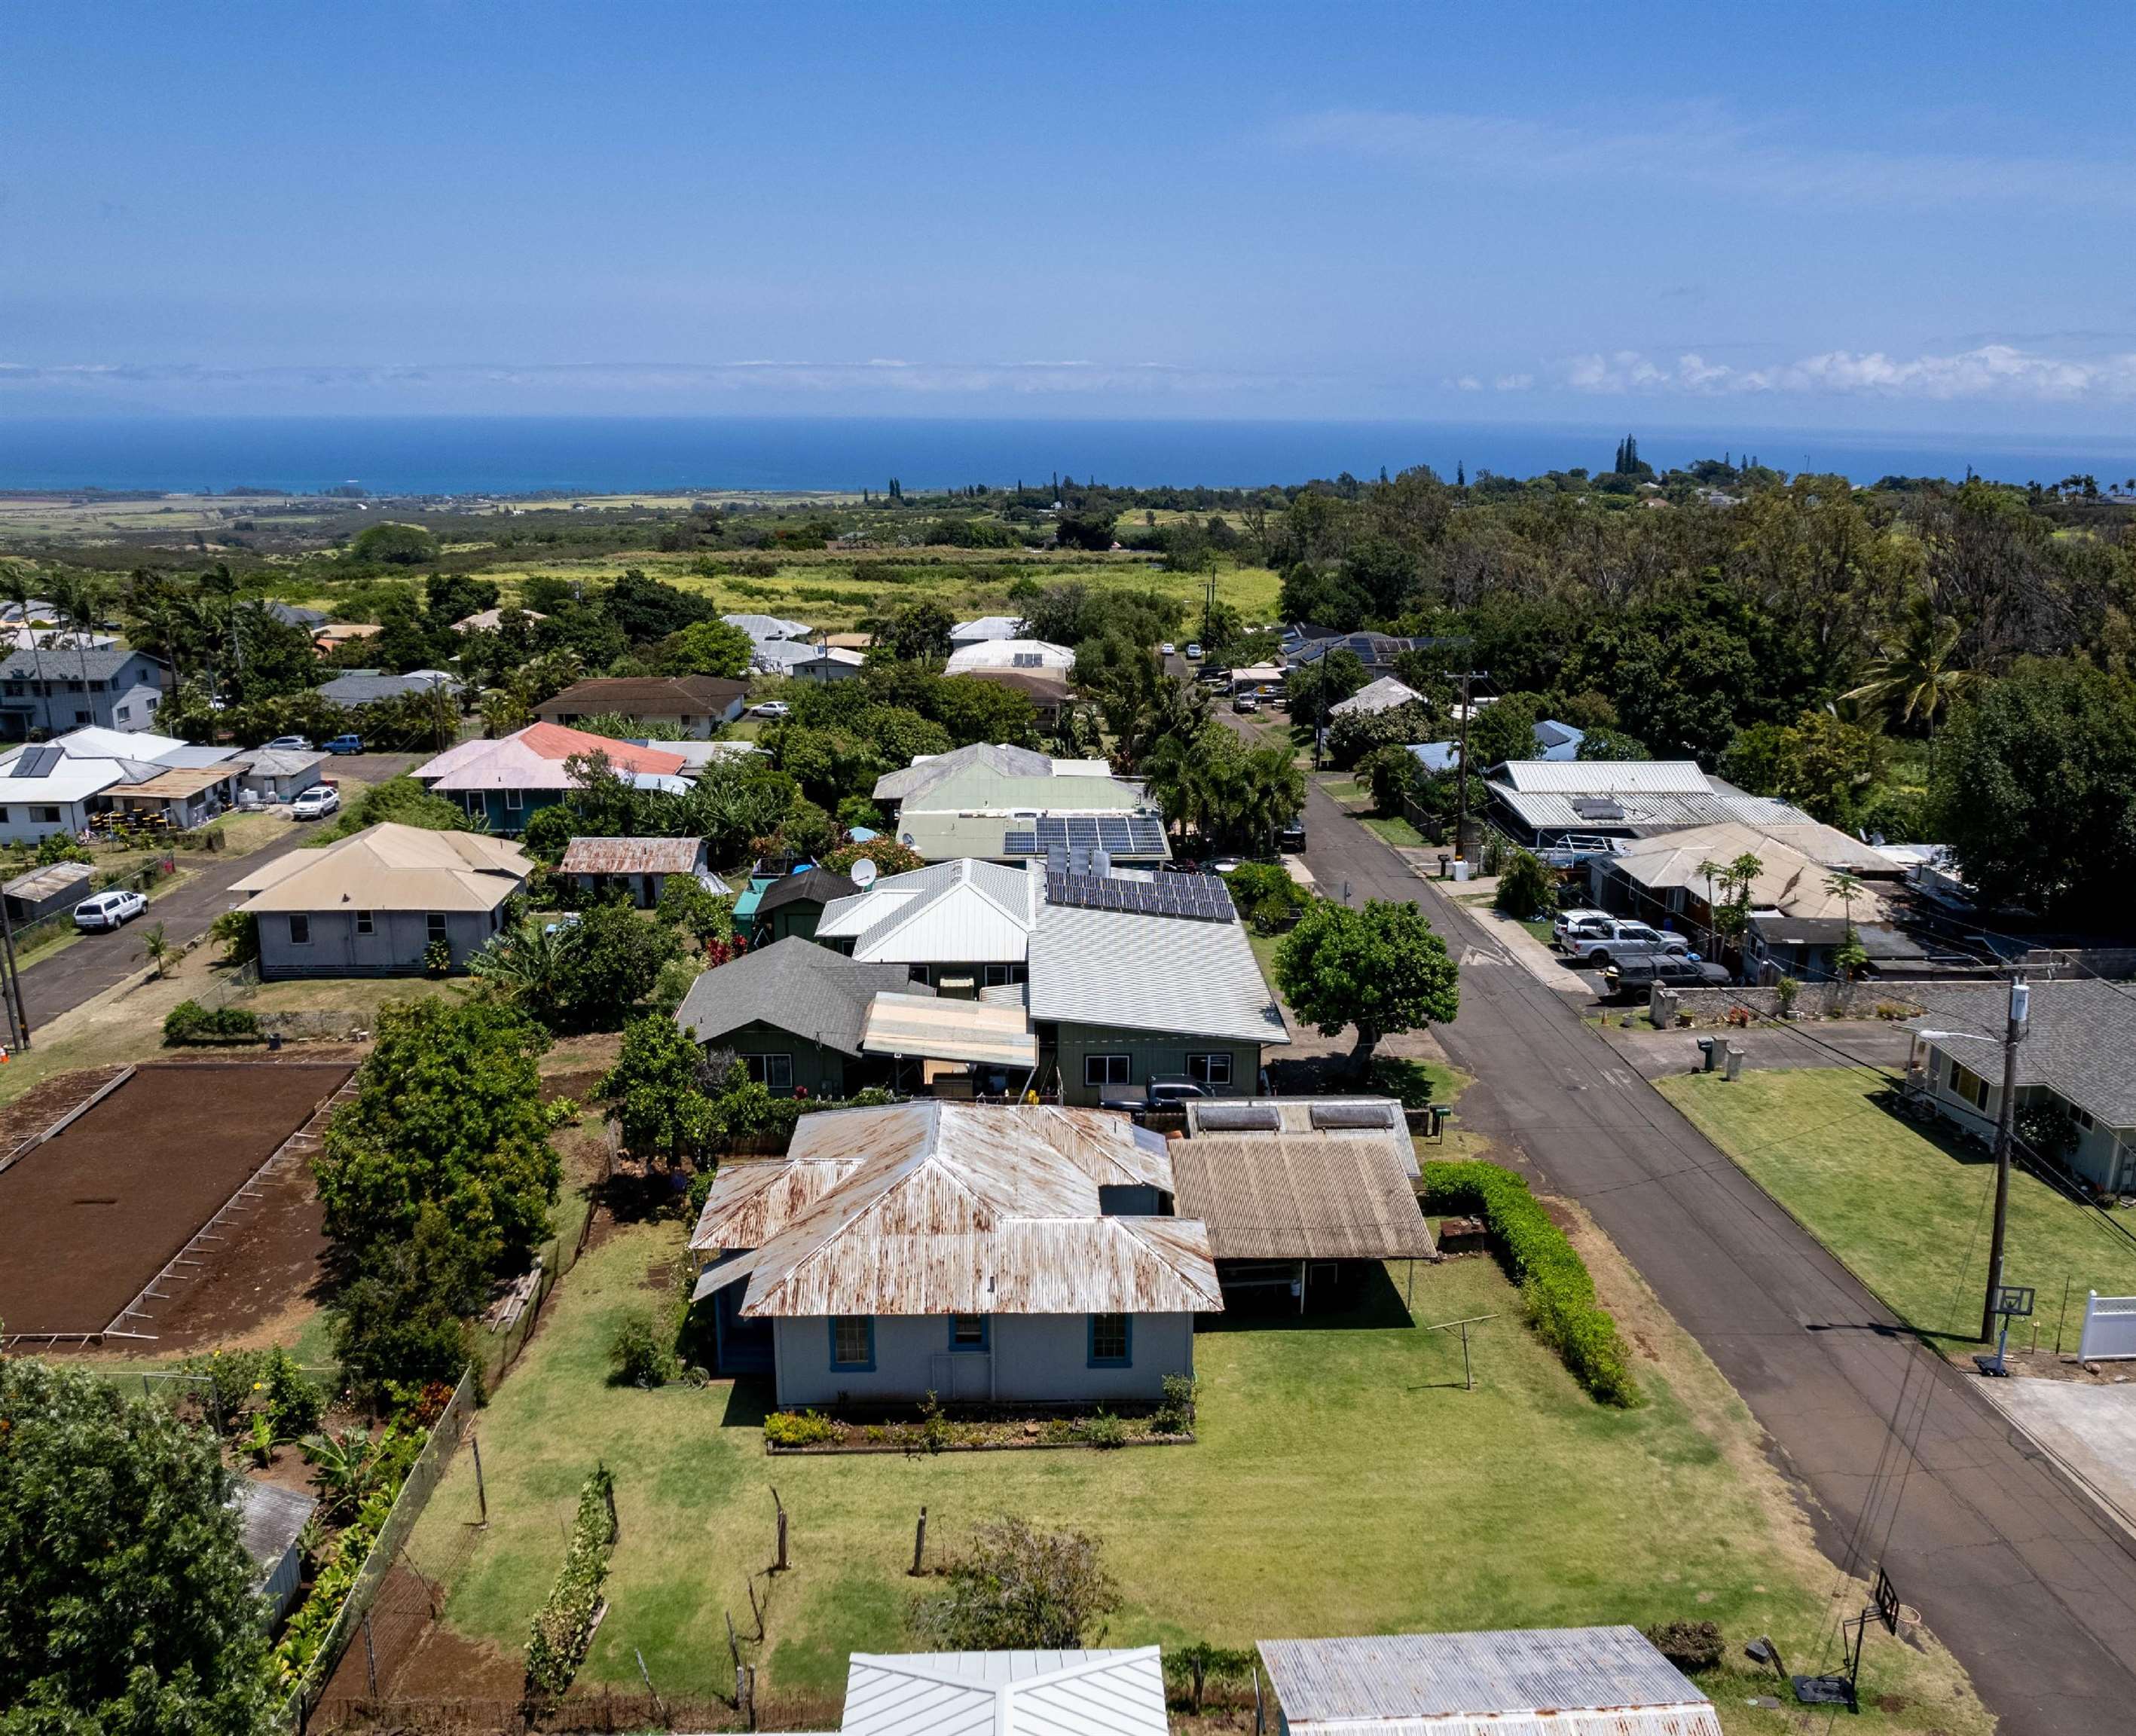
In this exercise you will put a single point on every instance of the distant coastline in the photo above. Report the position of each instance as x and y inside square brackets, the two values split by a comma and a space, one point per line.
[425, 455]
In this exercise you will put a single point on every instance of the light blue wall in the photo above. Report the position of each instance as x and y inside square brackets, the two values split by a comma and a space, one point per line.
[1030, 1358]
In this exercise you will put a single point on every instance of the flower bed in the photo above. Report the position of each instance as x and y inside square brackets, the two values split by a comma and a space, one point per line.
[564, 1625]
[933, 1430]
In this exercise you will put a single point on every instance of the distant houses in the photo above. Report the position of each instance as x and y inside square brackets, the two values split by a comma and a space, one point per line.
[377, 902]
[696, 704]
[1006, 804]
[51, 688]
[62, 785]
[372, 686]
[501, 782]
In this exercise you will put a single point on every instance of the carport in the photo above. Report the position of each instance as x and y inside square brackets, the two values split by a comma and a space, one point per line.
[957, 1042]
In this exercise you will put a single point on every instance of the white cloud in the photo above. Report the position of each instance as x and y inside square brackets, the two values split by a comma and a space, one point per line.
[1702, 145]
[1513, 383]
[1992, 370]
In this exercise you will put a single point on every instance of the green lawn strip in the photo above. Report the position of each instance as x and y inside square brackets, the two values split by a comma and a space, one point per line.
[1908, 1214]
[1397, 831]
[1343, 1483]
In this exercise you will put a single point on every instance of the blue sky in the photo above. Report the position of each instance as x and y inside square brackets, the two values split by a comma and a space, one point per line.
[1863, 216]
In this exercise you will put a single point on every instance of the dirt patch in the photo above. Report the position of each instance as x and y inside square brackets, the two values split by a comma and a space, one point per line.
[45, 1102]
[97, 1211]
[263, 1283]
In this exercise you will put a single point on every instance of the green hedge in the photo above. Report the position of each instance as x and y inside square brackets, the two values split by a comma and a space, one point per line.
[190, 1022]
[562, 1627]
[1554, 1280]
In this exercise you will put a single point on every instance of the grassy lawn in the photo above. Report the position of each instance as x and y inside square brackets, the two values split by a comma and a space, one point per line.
[1908, 1214]
[1343, 1483]
[1346, 790]
[1397, 830]
[243, 833]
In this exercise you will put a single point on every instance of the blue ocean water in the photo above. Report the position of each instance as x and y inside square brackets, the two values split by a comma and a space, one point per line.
[518, 455]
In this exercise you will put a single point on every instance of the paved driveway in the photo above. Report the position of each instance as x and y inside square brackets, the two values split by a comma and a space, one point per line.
[1904, 1462]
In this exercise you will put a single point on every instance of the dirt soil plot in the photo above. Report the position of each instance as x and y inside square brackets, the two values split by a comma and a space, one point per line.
[94, 1214]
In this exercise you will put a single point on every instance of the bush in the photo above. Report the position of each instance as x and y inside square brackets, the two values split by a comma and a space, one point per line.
[636, 1355]
[293, 1404]
[1526, 888]
[1018, 1589]
[1176, 1415]
[1267, 897]
[238, 935]
[1554, 1280]
[233, 1376]
[1104, 1431]
[1391, 774]
[190, 1022]
[799, 1429]
[1690, 1646]
[557, 1643]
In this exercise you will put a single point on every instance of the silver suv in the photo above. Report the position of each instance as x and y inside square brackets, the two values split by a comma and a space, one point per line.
[1602, 942]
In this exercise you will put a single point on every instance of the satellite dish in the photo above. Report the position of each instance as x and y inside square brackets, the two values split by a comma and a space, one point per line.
[864, 873]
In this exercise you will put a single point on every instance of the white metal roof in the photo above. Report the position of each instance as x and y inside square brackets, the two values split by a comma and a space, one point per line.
[1539, 1681]
[766, 629]
[1003, 654]
[1645, 813]
[1605, 777]
[1006, 1693]
[986, 627]
[1125, 970]
[960, 912]
[1383, 695]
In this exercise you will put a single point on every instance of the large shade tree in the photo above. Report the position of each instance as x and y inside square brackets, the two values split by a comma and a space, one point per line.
[1381, 969]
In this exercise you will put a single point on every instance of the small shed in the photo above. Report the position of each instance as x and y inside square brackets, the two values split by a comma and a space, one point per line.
[1539, 1681]
[794, 904]
[185, 796]
[638, 867]
[278, 775]
[272, 1519]
[1113, 1693]
[46, 891]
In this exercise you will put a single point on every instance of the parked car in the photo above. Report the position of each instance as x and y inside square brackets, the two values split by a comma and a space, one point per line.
[1580, 917]
[770, 708]
[1672, 970]
[316, 804]
[290, 744]
[345, 745]
[1293, 836]
[108, 910]
[1193, 651]
[1169, 649]
[1246, 702]
[1608, 941]
[1163, 1090]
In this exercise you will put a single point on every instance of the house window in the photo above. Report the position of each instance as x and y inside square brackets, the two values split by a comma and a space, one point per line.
[853, 1342]
[2084, 1119]
[774, 1072]
[46, 815]
[300, 931]
[363, 923]
[83, 717]
[968, 1331]
[125, 712]
[1105, 1069]
[152, 704]
[15, 690]
[921, 974]
[1000, 974]
[514, 800]
[75, 687]
[1111, 1340]
[1966, 1083]
[5, 816]
[1214, 1069]
[434, 925]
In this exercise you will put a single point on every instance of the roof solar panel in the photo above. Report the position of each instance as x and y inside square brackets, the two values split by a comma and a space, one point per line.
[1020, 843]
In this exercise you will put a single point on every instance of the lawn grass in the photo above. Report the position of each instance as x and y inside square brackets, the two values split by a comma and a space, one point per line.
[1395, 830]
[1342, 1483]
[1908, 1214]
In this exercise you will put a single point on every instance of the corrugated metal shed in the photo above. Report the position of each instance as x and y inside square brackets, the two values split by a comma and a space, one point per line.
[631, 856]
[1300, 1196]
[949, 1030]
[1541, 1681]
[1006, 1693]
[1125, 970]
[938, 1208]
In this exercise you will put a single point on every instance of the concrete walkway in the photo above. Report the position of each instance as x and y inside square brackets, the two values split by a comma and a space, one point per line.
[2091, 1429]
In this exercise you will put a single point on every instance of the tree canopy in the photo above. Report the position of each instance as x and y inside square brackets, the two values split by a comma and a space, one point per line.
[1380, 968]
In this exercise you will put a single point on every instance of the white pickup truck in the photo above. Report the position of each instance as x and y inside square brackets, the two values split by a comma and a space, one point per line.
[1602, 942]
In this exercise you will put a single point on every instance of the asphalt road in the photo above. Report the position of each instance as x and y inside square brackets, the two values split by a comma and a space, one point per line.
[95, 963]
[2019, 1575]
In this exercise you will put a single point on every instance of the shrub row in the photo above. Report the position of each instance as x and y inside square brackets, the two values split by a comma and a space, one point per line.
[1554, 1280]
[190, 1022]
[342, 1560]
[564, 1623]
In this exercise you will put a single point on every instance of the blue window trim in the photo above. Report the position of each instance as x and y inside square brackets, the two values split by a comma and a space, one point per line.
[986, 1337]
[851, 1368]
[1093, 1360]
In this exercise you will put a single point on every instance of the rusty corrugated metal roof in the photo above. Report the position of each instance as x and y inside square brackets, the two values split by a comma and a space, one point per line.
[631, 856]
[1300, 1196]
[934, 1208]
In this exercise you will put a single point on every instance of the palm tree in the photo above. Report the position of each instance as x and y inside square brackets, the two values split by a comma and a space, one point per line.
[526, 963]
[1915, 677]
[1711, 870]
[1850, 954]
[158, 949]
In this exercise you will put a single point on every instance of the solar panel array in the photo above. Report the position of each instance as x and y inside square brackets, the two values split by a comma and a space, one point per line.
[1195, 897]
[1126, 835]
[1027, 660]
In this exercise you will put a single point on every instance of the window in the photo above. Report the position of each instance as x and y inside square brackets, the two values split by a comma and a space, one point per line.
[1105, 1069]
[125, 712]
[1209, 1070]
[1967, 1084]
[2084, 1119]
[46, 815]
[363, 923]
[75, 687]
[853, 1342]
[968, 1331]
[471, 801]
[153, 703]
[919, 974]
[5, 816]
[514, 800]
[1111, 1340]
[300, 931]
[774, 1072]
[16, 689]
[1000, 974]
[434, 925]
[83, 717]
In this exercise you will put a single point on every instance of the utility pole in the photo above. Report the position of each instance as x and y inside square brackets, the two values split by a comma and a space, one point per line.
[2021, 998]
[1461, 770]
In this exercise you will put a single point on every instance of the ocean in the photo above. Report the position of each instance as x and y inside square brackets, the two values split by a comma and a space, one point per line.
[619, 454]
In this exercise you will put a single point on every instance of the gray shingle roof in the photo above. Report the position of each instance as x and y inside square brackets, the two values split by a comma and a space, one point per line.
[811, 886]
[366, 686]
[66, 663]
[796, 985]
[2080, 1040]
[1131, 972]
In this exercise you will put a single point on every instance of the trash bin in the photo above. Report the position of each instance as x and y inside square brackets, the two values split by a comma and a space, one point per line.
[1460, 869]
[1705, 1051]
